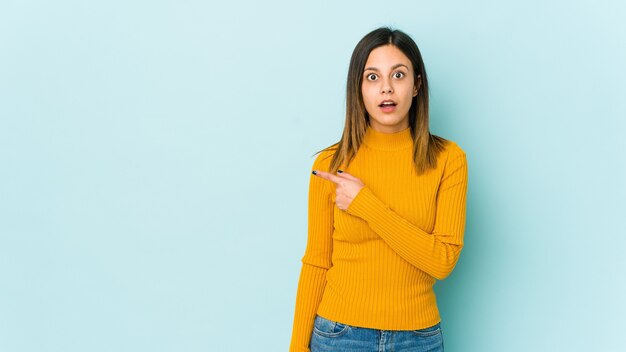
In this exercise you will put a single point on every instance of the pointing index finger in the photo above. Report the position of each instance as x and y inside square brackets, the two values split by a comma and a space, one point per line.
[327, 175]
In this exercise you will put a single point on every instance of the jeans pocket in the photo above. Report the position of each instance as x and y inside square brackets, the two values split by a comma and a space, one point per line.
[328, 328]
[427, 332]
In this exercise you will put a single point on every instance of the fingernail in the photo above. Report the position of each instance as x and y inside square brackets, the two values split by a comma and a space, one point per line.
[314, 172]
[339, 171]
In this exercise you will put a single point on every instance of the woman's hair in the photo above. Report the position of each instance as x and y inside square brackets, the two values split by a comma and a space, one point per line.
[426, 146]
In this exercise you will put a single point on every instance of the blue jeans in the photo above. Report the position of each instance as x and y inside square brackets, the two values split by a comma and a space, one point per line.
[333, 336]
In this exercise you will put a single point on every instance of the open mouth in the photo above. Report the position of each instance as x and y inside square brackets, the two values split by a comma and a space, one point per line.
[388, 106]
[387, 103]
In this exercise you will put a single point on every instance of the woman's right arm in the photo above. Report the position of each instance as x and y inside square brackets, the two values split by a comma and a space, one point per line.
[317, 256]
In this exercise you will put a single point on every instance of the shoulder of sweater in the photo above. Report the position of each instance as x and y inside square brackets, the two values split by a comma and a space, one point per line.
[323, 159]
[453, 149]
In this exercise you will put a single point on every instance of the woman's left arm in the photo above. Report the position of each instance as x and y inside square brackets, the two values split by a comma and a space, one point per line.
[435, 253]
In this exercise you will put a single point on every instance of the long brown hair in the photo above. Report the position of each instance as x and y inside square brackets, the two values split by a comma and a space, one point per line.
[426, 146]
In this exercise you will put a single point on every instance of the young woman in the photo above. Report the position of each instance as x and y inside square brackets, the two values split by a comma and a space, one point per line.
[386, 213]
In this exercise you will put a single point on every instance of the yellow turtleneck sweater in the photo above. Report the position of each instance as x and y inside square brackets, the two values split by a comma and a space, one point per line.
[375, 264]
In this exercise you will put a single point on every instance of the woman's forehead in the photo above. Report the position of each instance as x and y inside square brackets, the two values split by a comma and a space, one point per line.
[387, 57]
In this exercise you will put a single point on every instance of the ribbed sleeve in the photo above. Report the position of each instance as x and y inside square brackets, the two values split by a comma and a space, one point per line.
[317, 257]
[435, 253]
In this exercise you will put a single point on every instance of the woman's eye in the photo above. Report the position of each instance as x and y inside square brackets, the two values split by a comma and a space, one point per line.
[371, 77]
[398, 74]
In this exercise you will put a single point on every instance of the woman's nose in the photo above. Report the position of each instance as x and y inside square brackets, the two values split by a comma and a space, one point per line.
[386, 88]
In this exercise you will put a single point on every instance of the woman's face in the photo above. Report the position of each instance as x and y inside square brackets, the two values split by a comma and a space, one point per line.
[388, 89]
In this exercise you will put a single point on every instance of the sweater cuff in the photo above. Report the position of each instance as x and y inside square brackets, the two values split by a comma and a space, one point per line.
[365, 203]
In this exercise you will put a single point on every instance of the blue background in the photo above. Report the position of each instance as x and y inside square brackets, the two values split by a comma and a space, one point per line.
[155, 160]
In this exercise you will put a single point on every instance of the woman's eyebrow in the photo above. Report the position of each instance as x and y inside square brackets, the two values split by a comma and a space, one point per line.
[393, 67]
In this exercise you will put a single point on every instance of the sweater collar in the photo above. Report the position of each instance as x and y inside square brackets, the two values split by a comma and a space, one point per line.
[388, 141]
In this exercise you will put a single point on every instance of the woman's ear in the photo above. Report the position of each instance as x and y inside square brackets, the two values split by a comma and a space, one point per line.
[417, 86]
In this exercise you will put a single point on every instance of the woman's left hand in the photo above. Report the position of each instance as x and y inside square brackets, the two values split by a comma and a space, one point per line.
[347, 187]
